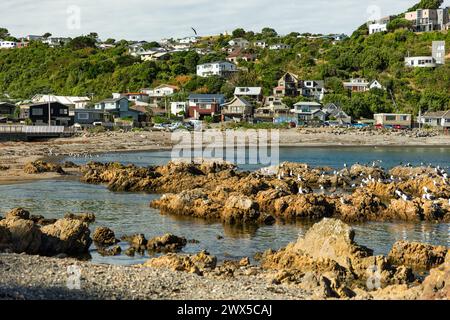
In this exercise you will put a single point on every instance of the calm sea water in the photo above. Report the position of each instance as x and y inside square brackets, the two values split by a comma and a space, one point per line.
[129, 213]
[331, 157]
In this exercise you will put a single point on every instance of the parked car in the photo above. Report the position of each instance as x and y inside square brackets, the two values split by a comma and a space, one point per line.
[360, 125]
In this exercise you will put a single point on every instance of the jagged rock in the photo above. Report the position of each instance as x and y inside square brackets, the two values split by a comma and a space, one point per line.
[37, 167]
[240, 210]
[198, 264]
[41, 220]
[309, 206]
[417, 255]
[404, 210]
[166, 243]
[332, 239]
[18, 213]
[137, 241]
[83, 217]
[5, 239]
[110, 252]
[65, 236]
[362, 205]
[25, 235]
[104, 237]
[437, 285]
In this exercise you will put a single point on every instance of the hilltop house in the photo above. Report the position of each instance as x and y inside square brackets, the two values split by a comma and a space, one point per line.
[56, 41]
[238, 108]
[239, 43]
[38, 113]
[255, 93]
[136, 97]
[379, 25]
[260, 44]
[438, 119]
[7, 44]
[221, 69]
[201, 105]
[7, 109]
[362, 85]
[237, 55]
[288, 86]
[436, 59]
[425, 20]
[313, 89]
[279, 46]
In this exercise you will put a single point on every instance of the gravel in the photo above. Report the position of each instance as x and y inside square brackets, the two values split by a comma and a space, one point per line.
[40, 278]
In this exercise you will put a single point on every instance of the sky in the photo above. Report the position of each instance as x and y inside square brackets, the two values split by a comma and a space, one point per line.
[156, 19]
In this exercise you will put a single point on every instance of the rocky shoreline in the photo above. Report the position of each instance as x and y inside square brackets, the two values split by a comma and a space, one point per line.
[324, 264]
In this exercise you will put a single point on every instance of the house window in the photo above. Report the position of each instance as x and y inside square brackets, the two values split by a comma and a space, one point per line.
[64, 111]
[37, 112]
[390, 118]
[83, 116]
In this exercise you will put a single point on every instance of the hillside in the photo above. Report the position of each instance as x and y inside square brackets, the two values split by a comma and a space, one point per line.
[80, 68]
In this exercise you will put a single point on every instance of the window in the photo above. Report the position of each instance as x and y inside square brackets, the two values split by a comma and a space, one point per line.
[83, 116]
[64, 111]
[404, 118]
[390, 118]
[37, 112]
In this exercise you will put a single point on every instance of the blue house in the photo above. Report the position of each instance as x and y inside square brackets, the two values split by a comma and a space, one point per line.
[119, 108]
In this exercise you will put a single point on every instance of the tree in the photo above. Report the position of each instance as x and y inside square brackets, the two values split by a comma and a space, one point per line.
[399, 23]
[427, 4]
[81, 43]
[238, 33]
[4, 33]
[151, 45]
[46, 35]
[269, 33]
[110, 41]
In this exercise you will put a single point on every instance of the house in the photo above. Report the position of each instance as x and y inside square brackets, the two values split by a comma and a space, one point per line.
[260, 44]
[237, 55]
[158, 95]
[7, 44]
[438, 119]
[254, 93]
[154, 55]
[274, 109]
[436, 59]
[201, 105]
[279, 46]
[178, 108]
[87, 117]
[34, 38]
[7, 109]
[425, 20]
[71, 101]
[189, 40]
[357, 85]
[240, 43]
[56, 41]
[119, 108]
[288, 86]
[335, 113]
[392, 119]
[313, 89]
[308, 111]
[238, 108]
[379, 25]
[221, 69]
[59, 113]
[375, 84]
[135, 97]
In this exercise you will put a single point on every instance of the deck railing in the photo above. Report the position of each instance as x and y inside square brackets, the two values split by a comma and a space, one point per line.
[35, 130]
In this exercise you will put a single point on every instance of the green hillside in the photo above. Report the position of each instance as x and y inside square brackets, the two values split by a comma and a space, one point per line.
[79, 68]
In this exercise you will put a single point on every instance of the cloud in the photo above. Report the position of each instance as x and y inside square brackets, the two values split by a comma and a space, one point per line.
[155, 19]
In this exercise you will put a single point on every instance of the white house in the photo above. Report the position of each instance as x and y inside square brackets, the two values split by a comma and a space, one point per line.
[377, 27]
[252, 92]
[8, 44]
[279, 46]
[178, 108]
[56, 42]
[189, 40]
[222, 69]
[440, 119]
[375, 84]
[420, 62]
[158, 94]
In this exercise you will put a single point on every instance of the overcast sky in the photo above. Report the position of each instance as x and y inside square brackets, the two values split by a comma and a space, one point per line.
[156, 19]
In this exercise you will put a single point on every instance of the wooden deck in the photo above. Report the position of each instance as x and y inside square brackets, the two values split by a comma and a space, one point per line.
[25, 133]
